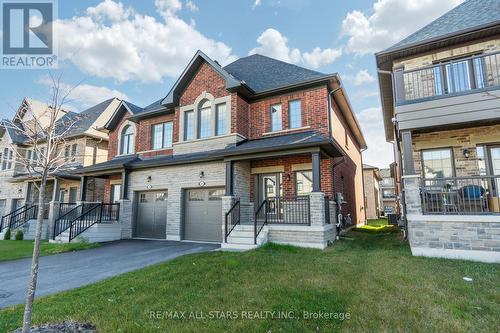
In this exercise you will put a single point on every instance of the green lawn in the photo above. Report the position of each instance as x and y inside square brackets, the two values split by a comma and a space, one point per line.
[12, 249]
[372, 277]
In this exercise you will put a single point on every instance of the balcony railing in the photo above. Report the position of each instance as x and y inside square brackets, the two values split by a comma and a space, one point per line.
[461, 195]
[448, 78]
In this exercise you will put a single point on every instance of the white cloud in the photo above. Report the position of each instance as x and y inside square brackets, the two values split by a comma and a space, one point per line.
[275, 45]
[147, 49]
[391, 21]
[83, 96]
[191, 6]
[360, 78]
[379, 152]
[257, 3]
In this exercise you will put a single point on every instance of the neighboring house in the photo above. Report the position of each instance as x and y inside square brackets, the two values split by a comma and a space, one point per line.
[371, 178]
[388, 193]
[84, 145]
[258, 137]
[441, 85]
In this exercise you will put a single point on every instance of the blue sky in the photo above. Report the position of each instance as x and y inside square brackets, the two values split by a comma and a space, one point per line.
[136, 49]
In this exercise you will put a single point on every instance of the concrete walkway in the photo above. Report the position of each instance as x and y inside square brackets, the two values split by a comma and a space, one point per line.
[70, 270]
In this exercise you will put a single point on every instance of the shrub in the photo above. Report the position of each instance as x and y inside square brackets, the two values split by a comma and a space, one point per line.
[19, 235]
[7, 234]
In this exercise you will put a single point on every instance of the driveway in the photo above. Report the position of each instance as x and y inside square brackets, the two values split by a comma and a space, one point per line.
[75, 269]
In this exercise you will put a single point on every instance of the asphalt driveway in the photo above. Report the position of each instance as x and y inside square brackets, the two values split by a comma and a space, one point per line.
[75, 269]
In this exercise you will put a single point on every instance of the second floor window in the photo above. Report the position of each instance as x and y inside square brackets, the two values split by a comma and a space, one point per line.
[162, 135]
[189, 125]
[222, 120]
[70, 152]
[204, 120]
[7, 158]
[127, 140]
[295, 114]
[276, 119]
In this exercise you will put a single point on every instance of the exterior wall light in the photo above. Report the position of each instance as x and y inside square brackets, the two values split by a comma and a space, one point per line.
[148, 179]
[202, 174]
[466, 153]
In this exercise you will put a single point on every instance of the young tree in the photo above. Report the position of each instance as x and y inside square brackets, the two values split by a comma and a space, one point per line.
[44, 133]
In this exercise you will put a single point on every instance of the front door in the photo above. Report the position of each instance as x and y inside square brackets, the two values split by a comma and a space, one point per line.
[271, 189]
[151, 216]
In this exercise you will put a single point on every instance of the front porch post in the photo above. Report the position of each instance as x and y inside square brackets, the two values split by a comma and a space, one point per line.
[83, 188]
[408, 165]
[29, 193]
[57, 188]
[125, 180]
[229, 178]
[316, 172]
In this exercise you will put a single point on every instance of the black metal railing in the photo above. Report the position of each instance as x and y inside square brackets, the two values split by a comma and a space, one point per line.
[63, 222]
[232, 219]
[5, 222]
[288, 210]
[65, 207]
[110, 211]
[454, 77]
[473, 195]
[85, 221]
[260, 219]
[20, 218]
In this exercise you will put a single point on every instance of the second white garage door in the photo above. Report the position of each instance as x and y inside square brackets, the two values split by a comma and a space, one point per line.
[203, 215]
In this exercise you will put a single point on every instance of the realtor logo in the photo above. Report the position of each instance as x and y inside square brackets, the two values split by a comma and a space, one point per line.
[28, 38]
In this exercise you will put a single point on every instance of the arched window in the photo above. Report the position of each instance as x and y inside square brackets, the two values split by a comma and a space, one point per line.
[127, 140]
[204, 119]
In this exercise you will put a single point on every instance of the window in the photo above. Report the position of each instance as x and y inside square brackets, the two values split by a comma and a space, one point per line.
[7, 159]
[142, 198]
[222, 120]
[189, 125]
[116, 192]
[73, 192]
[127, 140]
[29, 154]
[74, 151]
[276, 119]
[67, 153]
[215, 195]
[437, 163]
[303, 182]
[388, 194]
[204, 119]
[295, 113]
[161, 196]
[162, 135]
[196, 195]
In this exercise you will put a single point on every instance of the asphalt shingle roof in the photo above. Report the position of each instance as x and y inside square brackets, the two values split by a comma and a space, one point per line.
[81, 122]
[262, 73]
[16, 136]
[468, 15]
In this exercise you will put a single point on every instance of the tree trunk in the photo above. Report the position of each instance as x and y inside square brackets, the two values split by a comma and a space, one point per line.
[30, 295]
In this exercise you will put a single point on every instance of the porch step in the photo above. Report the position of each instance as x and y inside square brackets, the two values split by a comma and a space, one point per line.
[99, 232]
[242, 239]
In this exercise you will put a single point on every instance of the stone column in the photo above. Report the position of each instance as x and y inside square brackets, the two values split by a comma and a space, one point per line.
[413, 201]
[53, 215]
[317, 208]
[126, 218]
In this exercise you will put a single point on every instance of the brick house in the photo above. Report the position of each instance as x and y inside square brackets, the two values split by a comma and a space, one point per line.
[84, 145]
[388, 192]
[371, 179]
[239, 155]
[440, 91]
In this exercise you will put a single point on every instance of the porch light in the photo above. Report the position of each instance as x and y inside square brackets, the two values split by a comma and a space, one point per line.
[148, 179]
[466, 153]
[202, 174]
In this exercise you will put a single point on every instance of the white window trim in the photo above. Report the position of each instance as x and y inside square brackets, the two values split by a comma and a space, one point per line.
[120, 130]
[194, 107]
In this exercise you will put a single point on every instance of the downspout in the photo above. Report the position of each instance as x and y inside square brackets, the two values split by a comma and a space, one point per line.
[399, 159]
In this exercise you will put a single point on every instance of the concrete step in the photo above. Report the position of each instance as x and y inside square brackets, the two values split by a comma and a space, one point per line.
[240, 240]
[237, 247]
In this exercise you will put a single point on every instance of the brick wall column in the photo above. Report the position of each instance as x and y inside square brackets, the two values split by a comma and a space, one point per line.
[412, 194]
[126, 218]
[53, 215]
[317, 208]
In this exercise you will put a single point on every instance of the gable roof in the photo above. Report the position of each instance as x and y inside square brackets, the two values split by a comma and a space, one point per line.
[261, 73]
[81, 122]
[471, 14]
[16, 136]
[122, 108]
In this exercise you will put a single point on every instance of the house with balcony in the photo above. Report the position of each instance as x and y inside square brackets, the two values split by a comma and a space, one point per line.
[388, 192]
[440, 91]
[371, 179]
[258, 150]
[84, 145]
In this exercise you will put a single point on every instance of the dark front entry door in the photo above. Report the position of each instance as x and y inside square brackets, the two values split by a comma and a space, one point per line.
[151, 216]
[270, 188]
